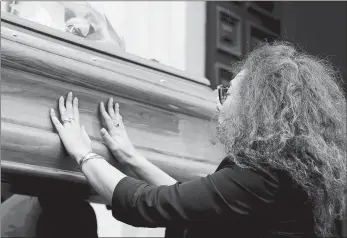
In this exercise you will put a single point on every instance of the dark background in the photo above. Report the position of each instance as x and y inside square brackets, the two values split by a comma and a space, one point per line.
[320, 27]
[317, 27]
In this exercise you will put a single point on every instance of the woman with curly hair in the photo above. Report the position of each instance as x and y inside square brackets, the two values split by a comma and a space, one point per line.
[283, 123]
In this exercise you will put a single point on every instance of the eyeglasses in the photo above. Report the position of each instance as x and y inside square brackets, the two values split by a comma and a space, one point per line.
[222, 93]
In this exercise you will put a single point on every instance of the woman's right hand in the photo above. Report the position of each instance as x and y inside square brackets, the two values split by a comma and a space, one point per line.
[115, 135]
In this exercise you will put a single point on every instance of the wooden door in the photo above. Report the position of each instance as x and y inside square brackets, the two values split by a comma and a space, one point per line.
[233, 29]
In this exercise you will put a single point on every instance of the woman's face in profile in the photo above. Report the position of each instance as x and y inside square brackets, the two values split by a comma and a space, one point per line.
[231, 105]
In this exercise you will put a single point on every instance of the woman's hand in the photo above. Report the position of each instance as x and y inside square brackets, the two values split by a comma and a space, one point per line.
[116, 137]
[74, 137]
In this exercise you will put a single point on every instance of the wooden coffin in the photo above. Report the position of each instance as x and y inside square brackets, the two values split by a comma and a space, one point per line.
[166, 112]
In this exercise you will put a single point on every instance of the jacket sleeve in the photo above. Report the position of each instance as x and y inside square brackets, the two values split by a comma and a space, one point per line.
[229, 194]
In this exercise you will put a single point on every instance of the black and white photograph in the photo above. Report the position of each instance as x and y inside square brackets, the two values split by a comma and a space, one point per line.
[173, 119]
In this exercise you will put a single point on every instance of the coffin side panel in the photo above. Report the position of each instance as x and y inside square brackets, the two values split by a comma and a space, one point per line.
[167, 122]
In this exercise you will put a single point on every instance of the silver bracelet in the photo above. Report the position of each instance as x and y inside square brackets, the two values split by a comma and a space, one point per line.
[88, 156]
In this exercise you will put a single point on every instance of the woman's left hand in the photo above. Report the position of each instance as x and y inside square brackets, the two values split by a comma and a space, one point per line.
[74, 137]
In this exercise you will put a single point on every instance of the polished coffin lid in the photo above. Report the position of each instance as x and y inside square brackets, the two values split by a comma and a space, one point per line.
[166, 111]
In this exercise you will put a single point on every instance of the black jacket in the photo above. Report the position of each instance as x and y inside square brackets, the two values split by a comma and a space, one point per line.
[231, 202]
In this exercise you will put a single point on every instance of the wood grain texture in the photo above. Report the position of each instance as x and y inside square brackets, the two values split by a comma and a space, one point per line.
[167, 122]
[105, 49]
[43, 57]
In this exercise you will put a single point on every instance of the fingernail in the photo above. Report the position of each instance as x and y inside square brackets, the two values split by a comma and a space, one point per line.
[52, 110]
[103, 130]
